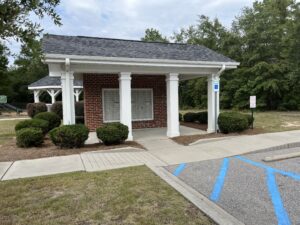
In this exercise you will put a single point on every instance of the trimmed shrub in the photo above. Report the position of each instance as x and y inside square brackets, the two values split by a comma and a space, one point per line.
[202, 117]
[232, 122]
[69, 136]
[190, 117]
[29, 137]
[35, 108]
[33, 123]
[57, 109]
[112, 133]
[52, 118]
[180, 117]
[79, 110]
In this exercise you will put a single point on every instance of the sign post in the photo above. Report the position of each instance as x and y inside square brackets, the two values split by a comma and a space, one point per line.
[252, 107]
[216, 86]
[3, 99]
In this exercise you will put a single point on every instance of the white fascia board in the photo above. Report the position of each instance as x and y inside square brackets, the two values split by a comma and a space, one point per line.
[51, 87]
[60, 58]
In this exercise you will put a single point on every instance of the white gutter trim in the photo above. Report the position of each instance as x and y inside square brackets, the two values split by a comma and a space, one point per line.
[221, 70]
[60, 58]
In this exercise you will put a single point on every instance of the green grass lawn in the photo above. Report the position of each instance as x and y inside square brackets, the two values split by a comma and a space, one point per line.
[7, 129]
[272, 121]
[125, 196]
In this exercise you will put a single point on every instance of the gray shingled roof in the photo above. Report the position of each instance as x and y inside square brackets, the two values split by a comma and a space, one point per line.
[51, 81]
[92, 46]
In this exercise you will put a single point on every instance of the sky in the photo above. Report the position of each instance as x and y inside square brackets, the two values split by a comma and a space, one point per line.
[128, 19]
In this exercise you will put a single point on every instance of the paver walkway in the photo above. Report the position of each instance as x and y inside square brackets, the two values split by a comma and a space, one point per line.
[88, 161]
[161, 152]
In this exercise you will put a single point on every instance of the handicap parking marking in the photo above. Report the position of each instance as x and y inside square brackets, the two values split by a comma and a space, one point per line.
[280, 212]
[257, 164]
[179, 169]
[274, 193]
[215, 195]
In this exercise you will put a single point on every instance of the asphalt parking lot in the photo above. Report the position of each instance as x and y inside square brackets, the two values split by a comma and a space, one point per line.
[253, 191]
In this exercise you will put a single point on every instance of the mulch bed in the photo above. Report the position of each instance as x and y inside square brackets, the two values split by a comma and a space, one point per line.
[186, 140]
[10, 152]
[194, 125]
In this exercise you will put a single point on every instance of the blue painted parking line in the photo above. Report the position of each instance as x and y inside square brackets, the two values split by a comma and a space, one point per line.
[179, 169]
[280, 212]
[289, 174]
[215, 195]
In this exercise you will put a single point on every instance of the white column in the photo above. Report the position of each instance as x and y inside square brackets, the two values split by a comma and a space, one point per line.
[67, 79]
[125, 101]
[172, 81]
[213, 104]
[53, 93]
[77, 94]
[36, 94]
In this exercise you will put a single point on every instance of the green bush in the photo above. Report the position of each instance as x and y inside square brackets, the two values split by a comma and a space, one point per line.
[249, 119]
[29, 137]
[190, 117]
[201, 117]
[232, 122]
[57, 109]
[35, 108]
[52, 118]
[180, 117]
[112, 133]
[79, 110]
[69, 136]
[33, 123]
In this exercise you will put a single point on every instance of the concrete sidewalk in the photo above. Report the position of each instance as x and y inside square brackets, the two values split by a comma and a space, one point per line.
[173, 153]
[88, 161]
[161, 152]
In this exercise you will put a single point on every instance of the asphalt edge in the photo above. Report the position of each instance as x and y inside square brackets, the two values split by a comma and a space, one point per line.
[212, 210]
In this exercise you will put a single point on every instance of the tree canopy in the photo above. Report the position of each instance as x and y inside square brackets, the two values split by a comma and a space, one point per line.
[265, 40]
[15, 18]
[154, 35]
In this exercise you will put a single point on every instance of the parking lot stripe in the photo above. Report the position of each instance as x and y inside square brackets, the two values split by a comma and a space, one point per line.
[280, 212]
[215, 195]
[289, 174]
[179, 169]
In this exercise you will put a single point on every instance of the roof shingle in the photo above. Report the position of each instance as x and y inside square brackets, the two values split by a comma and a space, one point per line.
[51, 82]
[106, 47]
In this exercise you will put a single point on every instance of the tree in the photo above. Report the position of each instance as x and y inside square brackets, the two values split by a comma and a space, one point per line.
[15, 21]
[28, 67]
[265, 40]
[153, 35]
[3, 70]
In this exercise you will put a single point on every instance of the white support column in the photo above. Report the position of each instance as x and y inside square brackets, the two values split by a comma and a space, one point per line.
[53, 93]
[213, 104]
[172, 81]
[77, 94]
[68, 95]
[125, 101]
[36, 94]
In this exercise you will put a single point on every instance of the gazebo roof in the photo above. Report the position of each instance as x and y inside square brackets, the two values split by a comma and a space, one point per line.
[48, 82]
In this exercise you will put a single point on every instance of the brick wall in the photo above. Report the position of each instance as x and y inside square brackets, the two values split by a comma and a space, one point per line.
[93, 84]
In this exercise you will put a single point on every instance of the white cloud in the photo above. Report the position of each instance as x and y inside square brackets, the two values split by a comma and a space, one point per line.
[129, 18]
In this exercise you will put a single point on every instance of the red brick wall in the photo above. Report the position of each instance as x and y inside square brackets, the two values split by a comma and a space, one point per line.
[93, 84]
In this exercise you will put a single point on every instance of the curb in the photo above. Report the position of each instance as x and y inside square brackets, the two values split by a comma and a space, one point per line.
[277, 147]
[216, 213]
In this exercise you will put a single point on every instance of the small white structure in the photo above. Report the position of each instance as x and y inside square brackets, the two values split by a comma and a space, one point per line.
[52, 85]
[117, 75]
